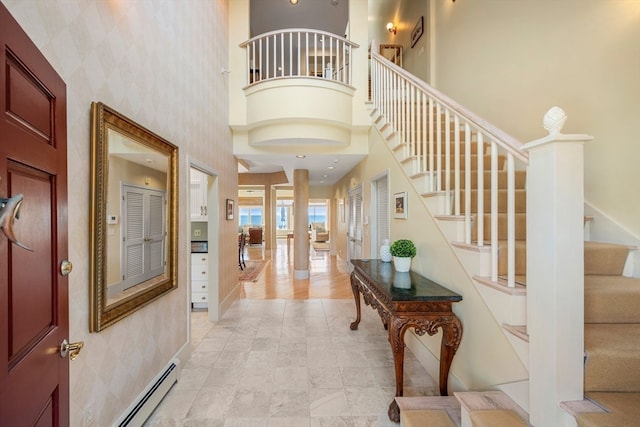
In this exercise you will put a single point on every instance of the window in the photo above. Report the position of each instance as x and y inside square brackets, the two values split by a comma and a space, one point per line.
[250, 215]
[284, 218]
[318, 212]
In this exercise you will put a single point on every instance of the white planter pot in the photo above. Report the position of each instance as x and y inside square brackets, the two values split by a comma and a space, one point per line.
[402, 264]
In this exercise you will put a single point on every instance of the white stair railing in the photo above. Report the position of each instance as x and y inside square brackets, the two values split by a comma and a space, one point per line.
[431, 127]
[298, 52]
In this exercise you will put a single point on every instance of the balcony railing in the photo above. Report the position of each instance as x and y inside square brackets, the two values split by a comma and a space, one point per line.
[298, 53]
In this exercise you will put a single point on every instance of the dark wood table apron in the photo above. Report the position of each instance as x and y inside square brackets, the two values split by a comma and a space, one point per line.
[425, 306]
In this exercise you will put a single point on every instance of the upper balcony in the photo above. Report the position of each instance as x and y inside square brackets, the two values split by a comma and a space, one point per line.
[299, 87]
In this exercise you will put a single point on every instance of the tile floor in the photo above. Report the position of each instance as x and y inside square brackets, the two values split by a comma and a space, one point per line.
[288, 363]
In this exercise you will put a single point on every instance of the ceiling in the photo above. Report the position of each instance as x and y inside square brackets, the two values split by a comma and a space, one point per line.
[326, 15]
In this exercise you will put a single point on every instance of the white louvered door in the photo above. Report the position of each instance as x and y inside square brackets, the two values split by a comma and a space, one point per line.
[354, 236]
[382, 232]
[143, 254]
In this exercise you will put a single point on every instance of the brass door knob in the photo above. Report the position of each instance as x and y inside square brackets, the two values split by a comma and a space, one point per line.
[71, 349]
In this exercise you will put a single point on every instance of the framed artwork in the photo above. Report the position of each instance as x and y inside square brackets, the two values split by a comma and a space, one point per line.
[400, 205]
[229, 208]
[417, 31]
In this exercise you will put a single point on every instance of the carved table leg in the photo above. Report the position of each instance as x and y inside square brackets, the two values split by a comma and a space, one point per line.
[356, 295]
[397, 328]
[451, 336]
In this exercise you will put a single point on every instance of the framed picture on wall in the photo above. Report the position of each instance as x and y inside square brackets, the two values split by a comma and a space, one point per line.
[400, 208]
[229, 208]
[417, 31]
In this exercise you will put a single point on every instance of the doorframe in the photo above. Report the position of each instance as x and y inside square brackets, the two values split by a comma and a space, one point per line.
[213, 233]
[373, 223]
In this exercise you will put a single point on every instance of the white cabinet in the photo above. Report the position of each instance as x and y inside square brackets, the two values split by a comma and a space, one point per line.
[200, 280]
[198, 195]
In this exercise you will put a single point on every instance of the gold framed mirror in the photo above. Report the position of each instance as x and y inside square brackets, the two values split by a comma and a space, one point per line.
[134, 227]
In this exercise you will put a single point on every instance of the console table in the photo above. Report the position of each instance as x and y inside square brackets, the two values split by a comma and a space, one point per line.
[403, 301]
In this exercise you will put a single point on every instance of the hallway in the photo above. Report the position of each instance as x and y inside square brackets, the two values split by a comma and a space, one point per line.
[284, 355]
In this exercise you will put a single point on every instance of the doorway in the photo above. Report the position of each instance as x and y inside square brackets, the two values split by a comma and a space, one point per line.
[380, 218]
[203, 233]
[354, 233]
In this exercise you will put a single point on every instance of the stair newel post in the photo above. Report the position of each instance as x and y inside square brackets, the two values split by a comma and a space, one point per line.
[555, 271]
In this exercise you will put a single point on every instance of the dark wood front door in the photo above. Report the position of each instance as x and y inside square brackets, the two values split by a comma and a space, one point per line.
[34, 378]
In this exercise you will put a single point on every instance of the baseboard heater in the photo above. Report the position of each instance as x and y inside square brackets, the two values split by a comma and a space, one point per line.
[150, 398]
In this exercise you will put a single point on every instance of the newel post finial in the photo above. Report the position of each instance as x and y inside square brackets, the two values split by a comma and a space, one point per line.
[554, 120]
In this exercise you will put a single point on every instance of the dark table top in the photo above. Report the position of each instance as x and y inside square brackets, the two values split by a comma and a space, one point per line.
[409, 286]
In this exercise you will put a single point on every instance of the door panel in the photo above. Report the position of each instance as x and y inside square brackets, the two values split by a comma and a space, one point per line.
[34, 379]
[30, 284]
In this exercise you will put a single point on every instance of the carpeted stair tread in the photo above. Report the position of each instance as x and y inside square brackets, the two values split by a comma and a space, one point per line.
[611, 299]
[486, 163]
[425, 417]
[612, 362]
[520, 227]
[520, 201]
[624, 410]
[604, 258]
[520, 179]
[496, 418]
[520, 257]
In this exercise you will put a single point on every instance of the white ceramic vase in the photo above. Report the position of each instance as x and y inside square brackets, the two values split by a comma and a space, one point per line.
[385, 253]
[402, 264]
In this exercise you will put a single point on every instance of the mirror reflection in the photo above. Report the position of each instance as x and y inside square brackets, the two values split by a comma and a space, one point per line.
[133, 220]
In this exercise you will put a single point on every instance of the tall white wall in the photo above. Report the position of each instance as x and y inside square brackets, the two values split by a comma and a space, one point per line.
[159, 64]
[510, 61]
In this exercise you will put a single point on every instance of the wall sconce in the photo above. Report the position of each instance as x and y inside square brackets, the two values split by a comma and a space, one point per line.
[391, 28]
[294, 2]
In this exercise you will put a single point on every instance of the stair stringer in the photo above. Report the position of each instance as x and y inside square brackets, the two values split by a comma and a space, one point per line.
[505, 308]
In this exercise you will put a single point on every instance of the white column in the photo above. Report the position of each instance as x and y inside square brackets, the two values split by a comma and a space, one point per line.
[301, 224]
[555, 271]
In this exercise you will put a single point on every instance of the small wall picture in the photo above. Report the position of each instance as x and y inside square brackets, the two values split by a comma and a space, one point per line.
[400, 205]
[417, 31]
[229, 208]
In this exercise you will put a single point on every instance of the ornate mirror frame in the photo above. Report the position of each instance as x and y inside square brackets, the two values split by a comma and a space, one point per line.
[104, 312]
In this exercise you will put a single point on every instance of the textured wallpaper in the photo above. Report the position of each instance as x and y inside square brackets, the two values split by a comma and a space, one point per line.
[158, 62]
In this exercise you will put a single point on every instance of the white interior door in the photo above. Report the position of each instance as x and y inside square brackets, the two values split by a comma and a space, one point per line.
[354, 234]
[144, 247]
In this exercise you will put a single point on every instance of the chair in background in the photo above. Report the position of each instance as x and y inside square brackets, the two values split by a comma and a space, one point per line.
[255, 236]
[319, 233]
[241, 244]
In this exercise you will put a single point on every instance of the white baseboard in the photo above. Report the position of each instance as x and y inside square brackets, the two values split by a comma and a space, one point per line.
[226, 303]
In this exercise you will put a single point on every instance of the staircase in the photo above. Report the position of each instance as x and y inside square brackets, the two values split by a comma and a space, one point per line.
[478, 194]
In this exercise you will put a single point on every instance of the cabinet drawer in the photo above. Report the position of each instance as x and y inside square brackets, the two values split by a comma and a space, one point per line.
[199, 286]
[199, 272]
[199, 297]
[199, 259]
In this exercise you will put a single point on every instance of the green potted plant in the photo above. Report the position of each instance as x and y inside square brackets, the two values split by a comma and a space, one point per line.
[402, 251]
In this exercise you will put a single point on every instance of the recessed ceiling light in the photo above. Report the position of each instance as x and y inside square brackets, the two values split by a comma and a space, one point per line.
[322, 182]
[325, 176]
[331, 167]
[300, 156]
[336, 161]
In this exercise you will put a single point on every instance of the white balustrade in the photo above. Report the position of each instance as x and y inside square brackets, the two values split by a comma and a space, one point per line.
[434, 129]
[298, 53]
